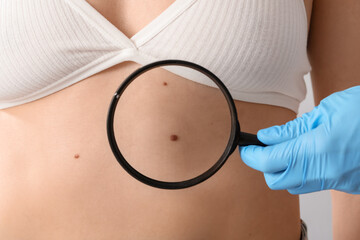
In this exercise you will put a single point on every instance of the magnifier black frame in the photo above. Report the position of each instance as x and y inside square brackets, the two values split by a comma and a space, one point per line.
[237, 138]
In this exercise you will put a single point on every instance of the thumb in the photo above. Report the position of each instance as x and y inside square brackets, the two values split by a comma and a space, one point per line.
[290, 130]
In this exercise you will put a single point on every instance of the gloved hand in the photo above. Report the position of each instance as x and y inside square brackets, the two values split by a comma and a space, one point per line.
[317, 151]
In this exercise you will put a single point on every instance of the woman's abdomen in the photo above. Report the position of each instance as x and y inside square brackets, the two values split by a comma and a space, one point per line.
[59, 178]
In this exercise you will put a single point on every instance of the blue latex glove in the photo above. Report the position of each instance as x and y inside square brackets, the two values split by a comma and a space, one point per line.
[317, 151]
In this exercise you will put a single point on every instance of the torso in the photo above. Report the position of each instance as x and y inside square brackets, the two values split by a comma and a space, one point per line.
[47, 193]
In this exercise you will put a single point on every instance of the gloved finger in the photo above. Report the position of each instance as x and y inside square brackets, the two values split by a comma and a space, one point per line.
[310, 182]
[309, 188]
[272, 178]
[295, 191]
[283, 180]
[268, 159]
[290, 130]
[306, 188]
[297, 176]
[309, 185]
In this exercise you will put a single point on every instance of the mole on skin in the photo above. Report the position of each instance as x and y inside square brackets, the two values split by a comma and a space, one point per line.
[76, 156]
[164, 83]
[173, 137]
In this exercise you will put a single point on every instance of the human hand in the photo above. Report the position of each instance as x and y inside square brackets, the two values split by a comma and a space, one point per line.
[317, 151]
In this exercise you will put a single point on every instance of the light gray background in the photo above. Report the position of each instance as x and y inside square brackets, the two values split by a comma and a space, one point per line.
[315, 208]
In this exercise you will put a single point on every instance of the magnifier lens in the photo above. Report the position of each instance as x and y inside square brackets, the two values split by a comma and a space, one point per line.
[172, 123]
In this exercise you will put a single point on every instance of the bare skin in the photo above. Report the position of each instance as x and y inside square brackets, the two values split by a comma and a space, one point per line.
[61, 180]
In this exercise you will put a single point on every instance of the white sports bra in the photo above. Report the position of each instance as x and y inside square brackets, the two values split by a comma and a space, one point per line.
[256, 47]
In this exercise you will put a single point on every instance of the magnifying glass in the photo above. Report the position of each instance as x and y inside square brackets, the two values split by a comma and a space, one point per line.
[197, 162]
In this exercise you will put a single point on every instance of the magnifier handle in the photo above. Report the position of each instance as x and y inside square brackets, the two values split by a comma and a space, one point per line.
[246, 139]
